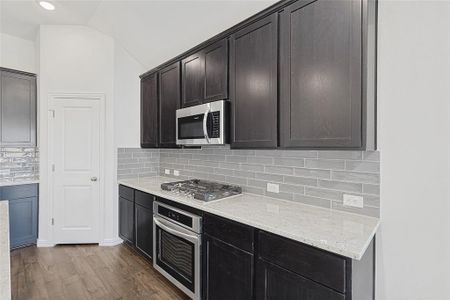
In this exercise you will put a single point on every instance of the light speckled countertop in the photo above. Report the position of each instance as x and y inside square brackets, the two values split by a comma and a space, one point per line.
[17, 182]
[335, 231]
[5, 269]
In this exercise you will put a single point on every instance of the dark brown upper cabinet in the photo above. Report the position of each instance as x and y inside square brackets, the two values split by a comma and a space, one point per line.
[169, 102]
[323, 103]
[17, 108]
[205, 75]
[253, 85]
[149, 111]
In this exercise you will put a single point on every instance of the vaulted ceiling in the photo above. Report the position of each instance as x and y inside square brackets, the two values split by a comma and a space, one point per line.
[151, 31]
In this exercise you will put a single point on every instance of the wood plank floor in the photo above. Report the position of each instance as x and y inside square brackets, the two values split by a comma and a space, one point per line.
[86, 272]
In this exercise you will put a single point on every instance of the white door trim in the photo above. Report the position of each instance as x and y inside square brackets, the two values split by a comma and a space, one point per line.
[51, 109]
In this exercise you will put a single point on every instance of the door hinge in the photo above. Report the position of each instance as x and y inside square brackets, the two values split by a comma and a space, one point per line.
[53, 113]
[53, 167]
[53, 221]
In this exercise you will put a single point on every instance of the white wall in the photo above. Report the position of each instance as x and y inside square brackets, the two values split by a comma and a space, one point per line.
[77, 59]
[127, 99]
[413, 245]
[17, 53]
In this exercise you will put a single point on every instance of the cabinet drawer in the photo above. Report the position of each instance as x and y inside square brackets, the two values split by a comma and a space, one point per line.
[19, 191]
[233, 233]
[126, 192]
[318, 265]
[144, 199]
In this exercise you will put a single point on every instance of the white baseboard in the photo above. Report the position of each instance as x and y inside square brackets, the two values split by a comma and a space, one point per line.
[45, 243]
[110, 242]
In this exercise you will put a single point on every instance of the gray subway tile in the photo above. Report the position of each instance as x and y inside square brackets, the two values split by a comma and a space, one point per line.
[323, 193]
[251, 167]
[279, 170]
[236, 180]
[373, 189]
[246, 174]
[253, 190]
[294, 189]
[328, 164]
[300, 180]
[341, 154]
[371, 155]
[356, 177]
[299, 153]
[290, 162]
[260, 160]
[257, 183]
[362, 166]
[236, 159]
[269, 177]
[313, 173]
[341, 185]
[223, 171]
[231, 166]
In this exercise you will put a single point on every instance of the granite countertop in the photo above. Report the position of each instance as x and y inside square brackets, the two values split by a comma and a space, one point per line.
[339, 232]
[18, 182]
[5, 268]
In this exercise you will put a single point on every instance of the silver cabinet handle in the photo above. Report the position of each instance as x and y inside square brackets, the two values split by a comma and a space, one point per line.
[93, 178]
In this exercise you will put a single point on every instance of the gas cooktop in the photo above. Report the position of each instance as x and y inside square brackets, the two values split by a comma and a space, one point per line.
[202, 189]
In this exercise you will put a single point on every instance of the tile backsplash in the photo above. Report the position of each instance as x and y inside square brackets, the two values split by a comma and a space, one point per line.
[19, 163]
[137, 162]
[319, 178]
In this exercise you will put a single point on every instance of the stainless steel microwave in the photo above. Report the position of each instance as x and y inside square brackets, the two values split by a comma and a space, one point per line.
[205, 124]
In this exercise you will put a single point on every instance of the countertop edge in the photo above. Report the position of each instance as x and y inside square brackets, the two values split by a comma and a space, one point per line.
[353, 255]
[14, 183]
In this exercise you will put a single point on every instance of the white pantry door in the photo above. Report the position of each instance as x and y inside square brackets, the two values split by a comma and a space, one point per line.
[76, 158]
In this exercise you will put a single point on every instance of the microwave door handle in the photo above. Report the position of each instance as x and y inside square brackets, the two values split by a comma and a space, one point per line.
[205, 120]
[163, 226]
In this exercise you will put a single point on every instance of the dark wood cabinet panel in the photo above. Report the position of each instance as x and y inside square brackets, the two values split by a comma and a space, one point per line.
[205, 75]
[126, 220]
[253, 85]
[273, 283]
[192, 80]
[149, 111]
[320, 266]
[169, 102]
[233, 233]
[228, 271]
[144, 229]
[320, 74]
[216, 71]
[17, 109]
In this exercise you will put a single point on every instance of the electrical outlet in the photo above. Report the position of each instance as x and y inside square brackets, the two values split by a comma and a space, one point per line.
[272, 187]
[167, 171]
[353, 201]
[176, 172]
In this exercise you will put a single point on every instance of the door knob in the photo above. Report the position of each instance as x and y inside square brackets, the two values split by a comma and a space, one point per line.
[93, 178]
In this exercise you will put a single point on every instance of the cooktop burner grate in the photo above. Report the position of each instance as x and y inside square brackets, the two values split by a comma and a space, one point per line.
[202, 189]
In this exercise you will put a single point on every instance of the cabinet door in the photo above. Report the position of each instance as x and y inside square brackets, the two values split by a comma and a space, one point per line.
[23, 221]
[320, 75]
[169, 102]
[216, 71]
[273, 283]
[144, 230]
[126, 220]
[192, 79]
[17, 109]
[228, 271]
[253, 85]
[149, 111]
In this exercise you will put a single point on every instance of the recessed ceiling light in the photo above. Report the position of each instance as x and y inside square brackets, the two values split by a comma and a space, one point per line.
[47, 5]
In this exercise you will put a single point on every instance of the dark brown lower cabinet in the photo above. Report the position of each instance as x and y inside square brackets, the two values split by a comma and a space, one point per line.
[228, 271]
[274, 282]
[144, 230]
[126, 220]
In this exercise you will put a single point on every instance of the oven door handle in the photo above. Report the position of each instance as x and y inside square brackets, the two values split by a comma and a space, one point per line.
[205, 121]
[164, 226]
